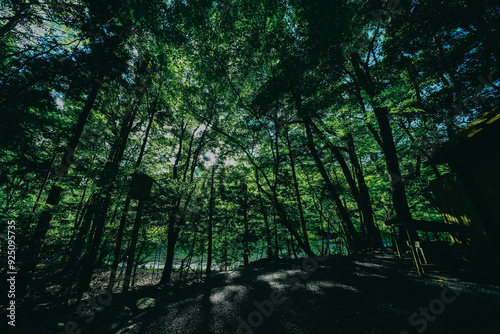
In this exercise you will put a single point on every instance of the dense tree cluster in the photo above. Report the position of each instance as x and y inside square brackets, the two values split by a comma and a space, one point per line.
[274, 128]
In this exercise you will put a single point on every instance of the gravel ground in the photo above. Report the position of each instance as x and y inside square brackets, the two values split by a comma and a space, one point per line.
[358, 294]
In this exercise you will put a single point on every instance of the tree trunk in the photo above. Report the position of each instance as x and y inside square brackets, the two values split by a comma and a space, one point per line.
[245, 225]
[343, 164]
[109, 173]
[403, 213]
[351, 233]
[173, 232]
[297, 194]
[364, 197]
[43, 225]
[288, 250]
[328, 238]
[118, 246]
[268, 232]
[133, 243]
[386, 142]
[210, 225]
[123, 220]
[137, 260]
[169, 261]
[79, 243]
[76, 227]
[276, 246]
[47, 176]
[282, 214]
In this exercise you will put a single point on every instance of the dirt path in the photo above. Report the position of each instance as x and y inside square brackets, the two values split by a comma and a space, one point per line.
[365, 294]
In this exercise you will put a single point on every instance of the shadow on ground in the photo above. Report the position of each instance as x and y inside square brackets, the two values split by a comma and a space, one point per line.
[357, 294]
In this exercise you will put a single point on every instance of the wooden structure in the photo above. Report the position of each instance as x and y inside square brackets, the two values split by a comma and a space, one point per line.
[470, 195]
[141, 186]
[54, 195]
[468, 198]
[426, 253]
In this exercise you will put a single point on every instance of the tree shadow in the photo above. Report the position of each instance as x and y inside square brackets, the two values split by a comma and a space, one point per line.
[356, 294]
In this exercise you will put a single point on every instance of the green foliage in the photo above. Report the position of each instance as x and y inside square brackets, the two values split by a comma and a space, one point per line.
[218, 84]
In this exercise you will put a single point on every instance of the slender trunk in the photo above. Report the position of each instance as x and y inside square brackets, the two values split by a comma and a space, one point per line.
[323, 234]
[328, 237]
[103, 252]
[341, 160]
[391, 159]
[210, 224]
[44, 184]
[76, 227]
[169, 261]
[266, 223]
[349, 178]
[268, 232]
[276, 247]
[364, 197]
[351, 233]
[137, 260]
[403, 213]
[179, 152]
[133, 243]
[123, 220]
[43, 225]
[105, 248]
[292, 244]
[297, 193]
[283, 216]
[245, 225]
[188, 159]
[173, 232]
[289, 251]
[386, 142]
[78, 245]
[118, 246]
[146, 136]
[109, 173]
[75, 256]
[418, 165]
[273, 196]
[201, 259]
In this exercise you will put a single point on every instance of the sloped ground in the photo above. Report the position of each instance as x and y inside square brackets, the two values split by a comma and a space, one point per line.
[356, 294]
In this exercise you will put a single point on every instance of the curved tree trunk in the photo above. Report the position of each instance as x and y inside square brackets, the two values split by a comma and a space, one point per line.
[297, 194]
[43, 226]
[123, 220]
[365, 203]
[208, 272]
[352, 235]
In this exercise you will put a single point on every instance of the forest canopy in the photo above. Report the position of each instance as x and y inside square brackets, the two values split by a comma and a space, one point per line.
[263, 128]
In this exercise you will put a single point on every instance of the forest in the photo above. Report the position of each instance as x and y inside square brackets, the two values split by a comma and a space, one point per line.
[146, 144]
